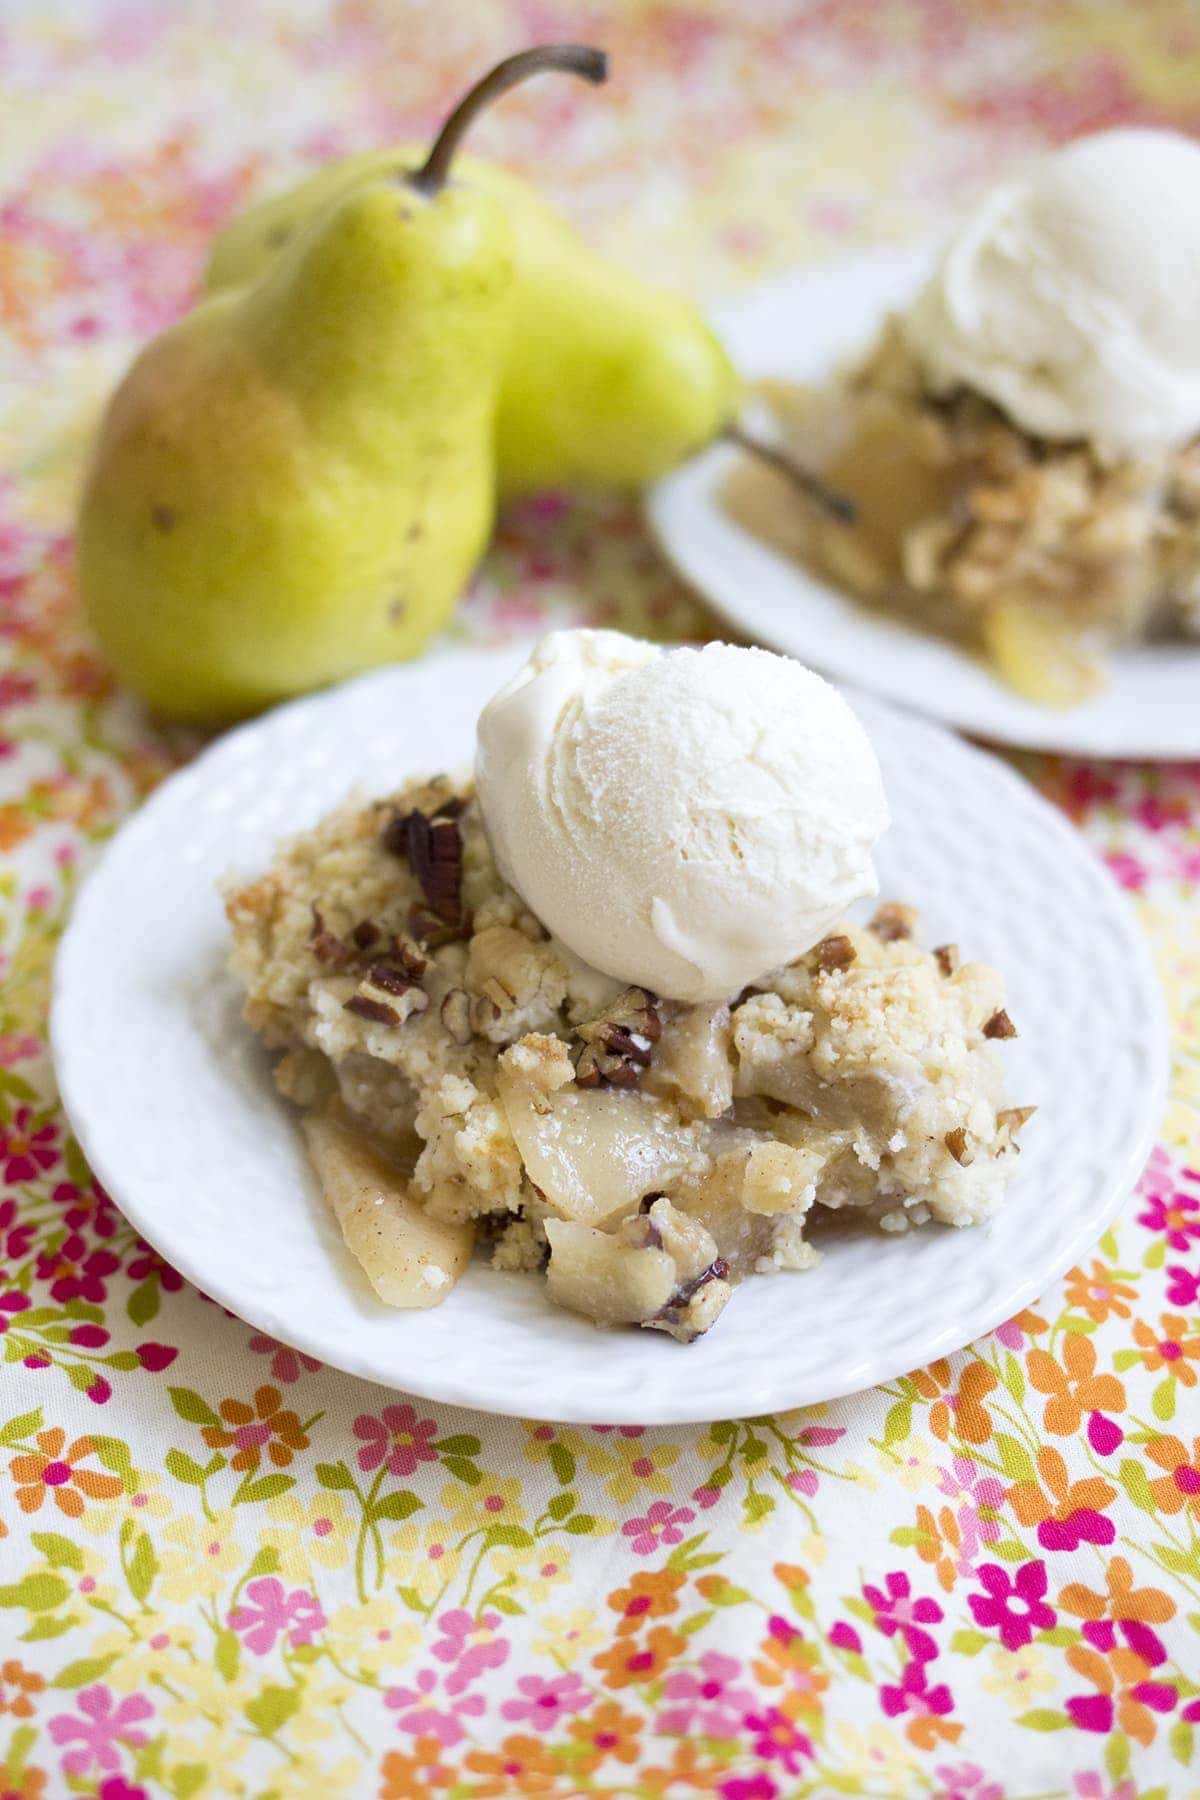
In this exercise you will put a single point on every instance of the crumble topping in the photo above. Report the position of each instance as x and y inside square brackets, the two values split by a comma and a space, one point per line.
[647, 1154]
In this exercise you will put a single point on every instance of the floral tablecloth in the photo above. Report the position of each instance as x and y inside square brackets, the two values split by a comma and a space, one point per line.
[227, 1571]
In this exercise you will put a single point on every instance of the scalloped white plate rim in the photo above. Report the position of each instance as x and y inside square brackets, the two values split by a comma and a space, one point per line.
[633, 1377]
[800, 325]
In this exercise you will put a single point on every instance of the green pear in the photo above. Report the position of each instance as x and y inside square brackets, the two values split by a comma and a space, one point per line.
[608, 381]
[295, 482]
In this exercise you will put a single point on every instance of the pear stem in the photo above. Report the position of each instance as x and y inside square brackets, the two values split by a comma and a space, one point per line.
[839, 506]
[566, 59]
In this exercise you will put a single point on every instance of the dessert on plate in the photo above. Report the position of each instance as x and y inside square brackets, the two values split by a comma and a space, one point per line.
[1021, 442]
[597, 1009]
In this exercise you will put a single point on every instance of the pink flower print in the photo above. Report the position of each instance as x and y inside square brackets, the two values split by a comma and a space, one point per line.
[748, 1787]
[898, 1611]
[777, 1739]
[966, 1781]
[660, 1525]
[1183, 1287]
[287, 1365]
[706, 1700]
[1176, 1215]
[1131, 873]
[819, 1437]
[914, 1695]
[544, 1703]
[704, 1497]
[1092, 1786]
[1104, 1434]
[27, 1150]
[421, 1717]
[15, 1238]
[115, 1787]
[803, 1481]
[1016, 1607]
[274, 1610]
[843, 1636]
[75, 1272]
[91, 1211]
[12, 1304]
[625, 1431]
[470, 1644]
[398, 1437]
[146, 1262]
[103, 1726]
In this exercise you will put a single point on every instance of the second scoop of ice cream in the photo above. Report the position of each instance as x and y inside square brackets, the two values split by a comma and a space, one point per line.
[683, 819]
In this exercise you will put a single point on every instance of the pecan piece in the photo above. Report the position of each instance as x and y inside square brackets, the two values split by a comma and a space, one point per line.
[892, 922]
[365, 934]
[999, 1025]
[325, 945]
[617, 1044]
[431, 844]
[1014, 1117]
[959, 1146]
[389, 976]
[679, 1316]
[377, 1010]
[835, 952]
[947, 958]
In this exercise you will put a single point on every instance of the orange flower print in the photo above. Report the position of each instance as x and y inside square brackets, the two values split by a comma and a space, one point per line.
[962, 1411]
[16, 1684]
[421, 1773]
[789, 1660]
[1067, 1513]
[522, 1765]
[628, 1661]
[52, 1470]
[1074, 1390]
[1169, 1348]
[689, 1772]
[1098, 1293]
[939, 1542]
[253, 1429]
[1150, 1606]
[30, 1784]
[648, 1596]
[1128, 1694]
[1180, 1485]
[605, 1731]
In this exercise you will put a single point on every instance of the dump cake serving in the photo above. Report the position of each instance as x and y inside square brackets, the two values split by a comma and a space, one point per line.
[1021, 442]
[597, 1011]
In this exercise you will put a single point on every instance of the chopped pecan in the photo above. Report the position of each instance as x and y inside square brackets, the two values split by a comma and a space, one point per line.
[947, 958]
[1014, 1117]
[390, 976]
[617, 1044]
[432, 848]
[999, 1025]
[959, 1146]
[325, 945]
[892, 921]
[377, 1010]
[484, 1012]
[432, 932]
[365, 934]
[674, 1316]
[835, 952]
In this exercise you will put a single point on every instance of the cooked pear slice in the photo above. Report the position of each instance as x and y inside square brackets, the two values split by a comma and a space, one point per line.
[593, 1153]
[1040, 656]
[605, 1279]
[411, 1260]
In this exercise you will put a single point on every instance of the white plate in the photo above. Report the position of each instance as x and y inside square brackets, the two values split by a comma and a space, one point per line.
[173, 1104]
[800, 327]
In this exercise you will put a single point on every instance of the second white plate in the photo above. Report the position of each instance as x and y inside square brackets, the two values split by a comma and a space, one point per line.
[800, 327]
[173, 1103]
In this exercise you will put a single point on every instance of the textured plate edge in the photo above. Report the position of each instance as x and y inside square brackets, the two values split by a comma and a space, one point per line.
[770, 1396]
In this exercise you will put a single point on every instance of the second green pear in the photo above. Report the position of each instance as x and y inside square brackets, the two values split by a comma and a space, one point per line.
[608, 381]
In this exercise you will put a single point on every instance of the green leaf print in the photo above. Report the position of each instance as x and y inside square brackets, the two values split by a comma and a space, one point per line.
[22, 1427]
[1162, 1400]
[143, 1567]
[78, 1674]
[335, 1476]
[271, 1710]
[190, 1406]
[58, 1551]
[398, 1505]
[36, 1593]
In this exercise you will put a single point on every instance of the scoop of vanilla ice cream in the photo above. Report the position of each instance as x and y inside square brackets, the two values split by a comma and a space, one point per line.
[1072, 298]
[685, 820]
